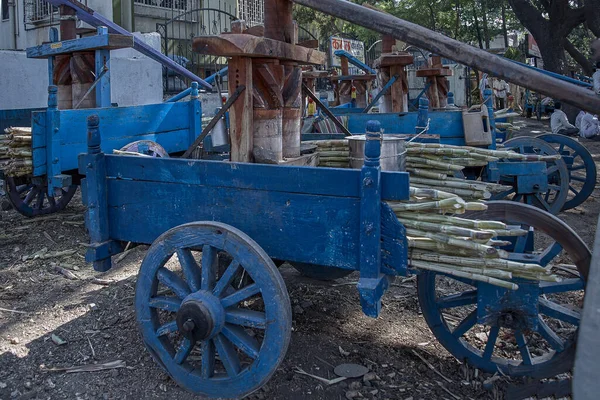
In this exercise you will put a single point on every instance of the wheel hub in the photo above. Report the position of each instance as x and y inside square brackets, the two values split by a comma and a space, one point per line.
[200, 316]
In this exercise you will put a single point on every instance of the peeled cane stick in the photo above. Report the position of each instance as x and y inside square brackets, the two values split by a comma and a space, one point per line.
[455, 202]
[467, 275]
[446, 219]
[447, 229]
[452, 241]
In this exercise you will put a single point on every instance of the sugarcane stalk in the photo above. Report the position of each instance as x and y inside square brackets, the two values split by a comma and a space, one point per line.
[426, 174]
[448, 270]
[429, 193]
[21, 139]
[446, 219]
[447, 229]
[497, 263]
[333, 154]
[451, 241]
[454, 202]
[458, 183]
[475, 194]
[475, 206]
[510, 232]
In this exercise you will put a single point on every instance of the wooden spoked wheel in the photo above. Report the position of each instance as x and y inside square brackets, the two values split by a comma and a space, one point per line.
[527, 332]
[32, 199]
[218, 334]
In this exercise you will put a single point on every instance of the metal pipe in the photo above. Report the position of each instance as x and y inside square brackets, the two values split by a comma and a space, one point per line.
[554, 74]
[187, 91]
[455, 50]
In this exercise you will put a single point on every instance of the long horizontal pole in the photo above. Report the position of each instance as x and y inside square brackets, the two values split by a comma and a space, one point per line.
[457, 51]
[95, 19]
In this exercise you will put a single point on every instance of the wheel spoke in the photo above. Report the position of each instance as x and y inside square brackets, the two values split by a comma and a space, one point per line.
[505, 194]
[208, 359]
[23, 188]
[167, 328]
[549, 253]
[190, 268]
[577, 178]
[491, 343]
[51, 201]
[31, 195]
[543, 202]
[551, 337]
[465, 324]
[572, 189]
[39, 204]
[209, 267]
[228, 355]
[226, 278]
[173, 282]
[561, 148]
[165, 303]
[577, 168]
[457, 300]
[183, 351]
[249, 318]
[240, 295]
[241, 340]
[554, 310]
[566, 285]
[556, 188]
[522, 343]
[551, 170]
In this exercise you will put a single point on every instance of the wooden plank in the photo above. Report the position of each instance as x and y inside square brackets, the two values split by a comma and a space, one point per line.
[325, 109]
[289, 179]
[310, 44]
[387, 60]
[279, 24]
[96, 42]
[238, 45]
[241, 115]
[278, 222]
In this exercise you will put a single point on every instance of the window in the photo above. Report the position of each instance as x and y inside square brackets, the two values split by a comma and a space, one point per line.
[37, 11]
[5, 10]
[251, 11]
[170, 4]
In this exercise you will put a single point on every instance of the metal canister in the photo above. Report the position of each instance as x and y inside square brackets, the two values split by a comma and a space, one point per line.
[219, 134]
[393, 152]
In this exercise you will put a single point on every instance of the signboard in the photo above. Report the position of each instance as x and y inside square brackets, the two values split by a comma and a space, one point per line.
[354, 47]
[532, 47]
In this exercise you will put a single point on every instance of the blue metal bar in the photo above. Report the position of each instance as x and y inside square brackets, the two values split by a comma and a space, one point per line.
[554, 75]
[414, 102]
[381, 93]
[355, 61]
[88, 15]
[187, 91]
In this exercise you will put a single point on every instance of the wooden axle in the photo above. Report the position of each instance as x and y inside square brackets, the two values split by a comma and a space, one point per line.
[389, 65]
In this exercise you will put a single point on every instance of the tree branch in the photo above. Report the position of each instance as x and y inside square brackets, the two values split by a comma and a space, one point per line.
[530, 16]
[579, 57]
[572, 18]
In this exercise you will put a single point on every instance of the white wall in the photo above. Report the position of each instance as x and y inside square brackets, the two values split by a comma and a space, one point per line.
[135, 79]
[33, 37]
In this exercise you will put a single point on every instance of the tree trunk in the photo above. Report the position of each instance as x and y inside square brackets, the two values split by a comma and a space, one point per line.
[593, 16]
[432, 16]
[486, 33]
[457, 31]
[504, 31]
[477, 29]
[579, 58]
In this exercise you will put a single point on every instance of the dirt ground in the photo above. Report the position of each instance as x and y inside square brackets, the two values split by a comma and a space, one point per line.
[57, 322]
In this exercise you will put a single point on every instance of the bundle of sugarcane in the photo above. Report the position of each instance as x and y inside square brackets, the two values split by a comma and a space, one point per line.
[460, 247]
[332, 153]
[15, 151]
[434, 165]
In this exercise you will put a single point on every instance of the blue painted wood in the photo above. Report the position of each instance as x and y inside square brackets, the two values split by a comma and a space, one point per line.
[489, 102]
[96, 42]
[195, 114]
[422, 115]
[96, 195]
[259, 177]
[16, 117]
[172, 125]
[102, 63]
[381, 93]
[372, 283]
[394, 245]
[52, 132]
[231, 323]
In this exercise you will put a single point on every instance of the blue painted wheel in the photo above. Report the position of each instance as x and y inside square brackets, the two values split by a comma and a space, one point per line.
[554, 197]
[218, 334]
[320, 272]
[528, 332]
[32, 200]
[580, 164]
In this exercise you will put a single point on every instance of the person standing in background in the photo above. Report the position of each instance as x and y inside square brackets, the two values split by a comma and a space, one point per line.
[500, 91]
[483, 84]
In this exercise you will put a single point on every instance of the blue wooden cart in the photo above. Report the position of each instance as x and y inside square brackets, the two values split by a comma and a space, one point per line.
[58, 136]
[212, 307]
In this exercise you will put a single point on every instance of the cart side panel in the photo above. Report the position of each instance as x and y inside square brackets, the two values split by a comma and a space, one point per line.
[172, 125]
[300, 214]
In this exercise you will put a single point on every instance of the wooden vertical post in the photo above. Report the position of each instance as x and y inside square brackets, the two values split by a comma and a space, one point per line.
[344, 66]
[241, 113]
[292, 111]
